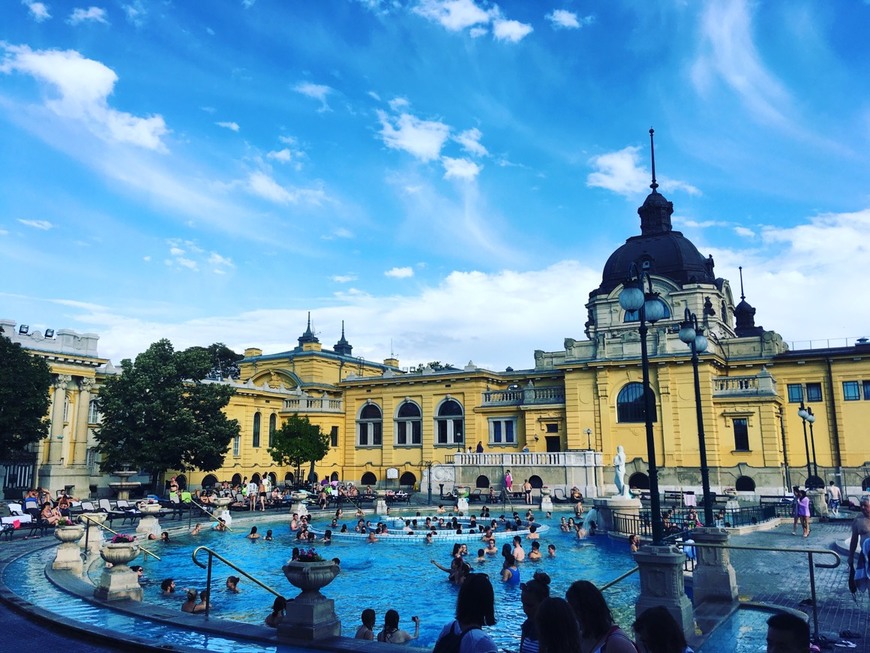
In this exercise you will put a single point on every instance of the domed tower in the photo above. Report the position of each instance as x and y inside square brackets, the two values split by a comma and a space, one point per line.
[681, 275]
[308, 341]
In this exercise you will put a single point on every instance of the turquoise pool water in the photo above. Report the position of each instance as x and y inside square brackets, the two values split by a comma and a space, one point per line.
[385, 575]
[745, 631]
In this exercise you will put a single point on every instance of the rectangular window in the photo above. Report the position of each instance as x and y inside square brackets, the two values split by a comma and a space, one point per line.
[409, 432]
[851, 391]
[552, 428]
[333, 437]
[503, 430]
[814, 391]
[795, 393]
[376, 433]
[866, 385]
[741, 434]
[93, 413]
[442, 431]
[237, 445]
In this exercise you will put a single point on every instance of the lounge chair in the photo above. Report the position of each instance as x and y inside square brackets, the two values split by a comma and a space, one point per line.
[560, 495]
[113, 513]
[129, 512]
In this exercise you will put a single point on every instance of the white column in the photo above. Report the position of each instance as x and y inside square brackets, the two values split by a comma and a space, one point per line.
[79, 434]
[56, 427]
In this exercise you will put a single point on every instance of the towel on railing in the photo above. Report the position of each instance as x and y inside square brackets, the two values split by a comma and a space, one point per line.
[690, 500]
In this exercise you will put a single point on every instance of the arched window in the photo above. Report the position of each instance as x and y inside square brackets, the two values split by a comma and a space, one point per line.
[368, 479]
[369, 426]
[634, 316]
[639, 480]
[629, 404]
[482, 482]
[449, 425]
[408, 478]
[288, 478]
[536, 481]
[255, 442]
[209, 481]
[744, 484]
[409, 425]
[334, 476]
[273, 422]
[181, 479]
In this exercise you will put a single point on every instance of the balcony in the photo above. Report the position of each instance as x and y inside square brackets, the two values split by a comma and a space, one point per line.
[761, 384]
[527, 396]
[313, 405]
[531, 459]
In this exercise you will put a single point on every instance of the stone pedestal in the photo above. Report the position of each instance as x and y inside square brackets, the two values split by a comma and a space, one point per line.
[819, 503]
[310, 615]
[609, 506]
[714, 578]
[94, 538]
[661, 583]
[299, 503]
[69, 554]
[148, 523]
[119, 582]
[462, 505]
[546, 500]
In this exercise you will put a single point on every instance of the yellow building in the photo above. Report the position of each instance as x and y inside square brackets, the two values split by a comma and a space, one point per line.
[557, 423]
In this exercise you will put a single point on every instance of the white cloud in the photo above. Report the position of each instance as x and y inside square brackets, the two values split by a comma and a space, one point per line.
[400, 273]
[622, 172]
[510, 30]
[91, 14]
[460, 168]
[744, 232]
[262, 185]
[730, 55]
[563, 19]
[83, 86]
[135, 12]
[343, 278]
[470, 142]
[42, 225]
[188, 255]
[38, 10]
[283, 156]
[315, 91]
[454, 15]
[232, 126]
[423, 139]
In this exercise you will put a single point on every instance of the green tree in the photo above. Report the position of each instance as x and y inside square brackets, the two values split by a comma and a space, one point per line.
[24, 401]
[297, 442]
[159, 415]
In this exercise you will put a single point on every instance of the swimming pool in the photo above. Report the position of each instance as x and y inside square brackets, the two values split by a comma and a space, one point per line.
[382, 576]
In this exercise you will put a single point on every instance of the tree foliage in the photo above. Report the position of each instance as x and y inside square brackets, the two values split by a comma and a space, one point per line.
[24, 400]
[297, 442]
[158, 415]
[224, 361]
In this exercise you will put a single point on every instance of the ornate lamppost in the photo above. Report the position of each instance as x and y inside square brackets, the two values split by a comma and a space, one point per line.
[589, 439]
[806, 415]
[637, 296]
[693, 335]
[428, 465]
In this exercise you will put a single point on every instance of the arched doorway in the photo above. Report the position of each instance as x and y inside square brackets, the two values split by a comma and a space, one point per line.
[288, 478]
[209, 481]
[181, 479]
[368, 479]
[744, 484]
[639, 480]
[536, 482]
[334, 476]
[408, 479]
[237, 480]
[482, 482]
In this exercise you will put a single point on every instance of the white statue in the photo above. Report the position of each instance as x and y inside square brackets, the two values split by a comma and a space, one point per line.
[619, 473]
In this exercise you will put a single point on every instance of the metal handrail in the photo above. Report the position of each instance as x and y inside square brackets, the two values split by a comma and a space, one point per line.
[87, 517]
[213, 554]
[618, 579]
[210, 515]
[811, 564]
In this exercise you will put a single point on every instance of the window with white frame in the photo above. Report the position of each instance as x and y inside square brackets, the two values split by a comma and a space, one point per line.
[369, 426]
[409, 425]
[449, 423]
[237, 445]
[273, 423]
[502, 430]
[94, 416]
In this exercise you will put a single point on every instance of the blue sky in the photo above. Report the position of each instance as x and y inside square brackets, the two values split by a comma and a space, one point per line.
[447, 176]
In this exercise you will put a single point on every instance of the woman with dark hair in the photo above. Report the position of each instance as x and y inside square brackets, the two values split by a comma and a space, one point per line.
[366, 630]
[510, 573]
[535, 592]
[557, 627]
[475, 608]
[275, 617]
[392, 634]
[656, 631]
[597, 629]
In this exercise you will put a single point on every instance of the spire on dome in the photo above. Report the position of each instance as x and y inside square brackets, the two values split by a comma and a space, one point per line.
[655, 214]
[744, 315]
[308, 336]
[343, 347]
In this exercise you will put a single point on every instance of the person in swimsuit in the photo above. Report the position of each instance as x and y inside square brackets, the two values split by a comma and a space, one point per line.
[392, 634]
[597, 628]
[510, 574]
[367, 629]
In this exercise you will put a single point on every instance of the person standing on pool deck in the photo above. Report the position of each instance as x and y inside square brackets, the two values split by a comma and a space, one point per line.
[804, 512]
[508, 481]
[860, 533]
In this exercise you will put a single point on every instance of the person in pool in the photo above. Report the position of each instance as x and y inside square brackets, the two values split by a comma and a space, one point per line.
[510, 574]
[366, 630]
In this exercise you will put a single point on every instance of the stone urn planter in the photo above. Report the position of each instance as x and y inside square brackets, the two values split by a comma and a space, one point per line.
[119, 581]
[148, 523]
[311, 615]
[119, 553]
[94, 539]
[68, 554]
[310, 576]
[69, 533]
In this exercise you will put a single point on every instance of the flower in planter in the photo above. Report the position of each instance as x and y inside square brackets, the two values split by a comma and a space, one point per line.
[309, 555]
[65, 521]
[120, 538]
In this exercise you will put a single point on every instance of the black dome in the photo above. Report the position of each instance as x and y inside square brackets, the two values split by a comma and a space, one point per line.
[669, 253]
